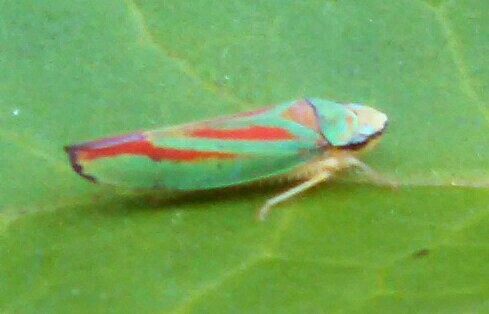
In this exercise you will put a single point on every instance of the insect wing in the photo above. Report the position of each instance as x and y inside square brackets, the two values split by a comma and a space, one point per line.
[203, 155]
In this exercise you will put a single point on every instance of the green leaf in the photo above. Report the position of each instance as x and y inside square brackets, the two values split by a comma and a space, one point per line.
[76, 70]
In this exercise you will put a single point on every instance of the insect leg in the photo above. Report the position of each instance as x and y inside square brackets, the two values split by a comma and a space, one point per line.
[318, 178]
[371, 173]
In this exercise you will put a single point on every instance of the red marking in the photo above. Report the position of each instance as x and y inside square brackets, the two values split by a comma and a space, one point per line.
[145, 148]
[252, 113]
[303, 113]
[251, 133]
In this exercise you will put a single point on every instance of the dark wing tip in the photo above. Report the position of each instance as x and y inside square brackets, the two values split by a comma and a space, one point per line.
[72, 152]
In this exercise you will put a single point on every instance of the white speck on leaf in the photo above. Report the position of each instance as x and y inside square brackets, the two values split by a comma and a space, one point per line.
[177, 218]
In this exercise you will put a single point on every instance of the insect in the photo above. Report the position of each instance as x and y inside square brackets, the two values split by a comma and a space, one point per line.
[305, 140]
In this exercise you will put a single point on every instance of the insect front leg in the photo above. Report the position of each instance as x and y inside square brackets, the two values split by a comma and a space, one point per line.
[318, 178]
[371, 173]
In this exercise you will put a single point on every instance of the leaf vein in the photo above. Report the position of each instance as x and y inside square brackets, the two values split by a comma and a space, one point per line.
[465, 79]
[198, 294]
[186, 67]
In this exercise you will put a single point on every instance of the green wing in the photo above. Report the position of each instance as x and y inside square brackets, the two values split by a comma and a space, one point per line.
[204, 155]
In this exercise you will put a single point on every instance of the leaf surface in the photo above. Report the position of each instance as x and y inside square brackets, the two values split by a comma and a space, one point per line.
[86, 69]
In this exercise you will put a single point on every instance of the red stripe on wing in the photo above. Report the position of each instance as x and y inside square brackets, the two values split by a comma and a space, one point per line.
[303, 112]
[252, 133]
[145, 148]
[252, 112]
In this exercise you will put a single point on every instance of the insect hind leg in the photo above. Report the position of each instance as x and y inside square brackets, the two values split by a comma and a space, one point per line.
[318, 178]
